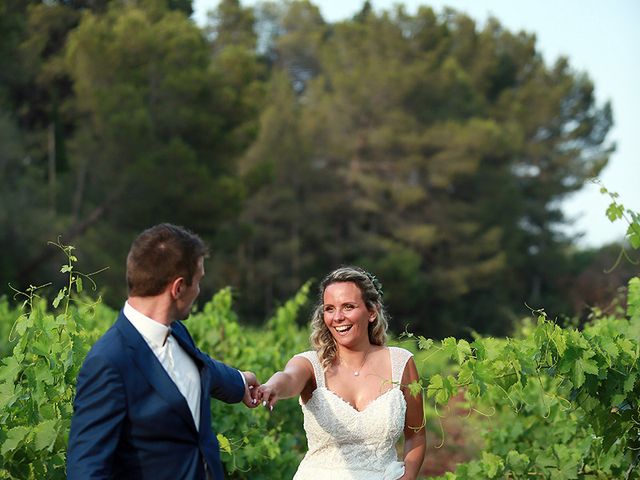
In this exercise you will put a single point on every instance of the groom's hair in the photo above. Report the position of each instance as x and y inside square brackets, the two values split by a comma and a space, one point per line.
[161, 254]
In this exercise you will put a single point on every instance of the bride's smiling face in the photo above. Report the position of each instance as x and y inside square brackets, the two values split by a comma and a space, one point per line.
[346, 315]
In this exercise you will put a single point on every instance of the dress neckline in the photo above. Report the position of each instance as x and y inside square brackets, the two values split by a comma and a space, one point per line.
[325, 387]
[349, 404]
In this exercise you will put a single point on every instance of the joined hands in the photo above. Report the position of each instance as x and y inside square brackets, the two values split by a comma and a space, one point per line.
[256, 393]
[250, 399]
[267, 396]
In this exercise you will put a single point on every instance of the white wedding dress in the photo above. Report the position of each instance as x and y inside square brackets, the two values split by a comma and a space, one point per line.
[347, 444]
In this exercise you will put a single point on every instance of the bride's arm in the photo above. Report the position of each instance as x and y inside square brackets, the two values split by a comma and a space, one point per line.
[290, 382]
[414, 432]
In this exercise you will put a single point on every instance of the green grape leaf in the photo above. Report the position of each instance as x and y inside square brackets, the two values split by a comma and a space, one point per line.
[15, 436]
[41, 346]
[225, 445]
[7, 395]
[492, 465]
[568, 462]
[627, 346]
[450, 348]
[609, 346]
[464, 350]
[43, 374]
[435, 383]
[59, 297]
[9, 369]
[415, 388]
[440, 388]
[630, 382]
[614, 212]
[633, 234]
[480, 348]
[518, 462]
[492, 347]
[546, 460]
[559, 340]
[45, 434]
[424, 343]
[581, 367]
[474, 470]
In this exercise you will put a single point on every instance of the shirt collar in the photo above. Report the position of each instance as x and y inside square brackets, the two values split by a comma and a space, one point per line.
[153, 331]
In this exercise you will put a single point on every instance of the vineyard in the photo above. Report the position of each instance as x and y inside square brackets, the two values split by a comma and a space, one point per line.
[553, 401]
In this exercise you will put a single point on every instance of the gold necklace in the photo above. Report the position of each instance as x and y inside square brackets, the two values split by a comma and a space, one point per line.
[356, 373]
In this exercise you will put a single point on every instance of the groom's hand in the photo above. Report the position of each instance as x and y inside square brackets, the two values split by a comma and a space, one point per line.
[250, 391]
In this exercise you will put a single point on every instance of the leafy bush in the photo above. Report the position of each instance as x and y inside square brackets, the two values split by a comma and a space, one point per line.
[562, 402]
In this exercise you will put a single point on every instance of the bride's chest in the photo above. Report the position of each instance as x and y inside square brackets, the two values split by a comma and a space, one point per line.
[327, 414]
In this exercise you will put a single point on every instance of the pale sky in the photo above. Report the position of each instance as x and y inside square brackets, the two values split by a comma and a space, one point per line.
[600, 37]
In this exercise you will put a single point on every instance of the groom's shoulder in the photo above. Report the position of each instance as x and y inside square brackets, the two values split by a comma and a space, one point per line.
[108, 344]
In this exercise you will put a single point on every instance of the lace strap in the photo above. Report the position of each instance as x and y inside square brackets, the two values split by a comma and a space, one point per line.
[399, 359]
[312, 356]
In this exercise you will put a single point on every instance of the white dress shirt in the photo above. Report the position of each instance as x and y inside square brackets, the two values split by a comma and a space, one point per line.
[177, 363]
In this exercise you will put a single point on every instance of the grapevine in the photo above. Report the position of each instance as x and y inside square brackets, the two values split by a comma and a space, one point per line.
[555, 402]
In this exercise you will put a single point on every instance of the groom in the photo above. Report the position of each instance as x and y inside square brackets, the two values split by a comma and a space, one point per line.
[142, 404]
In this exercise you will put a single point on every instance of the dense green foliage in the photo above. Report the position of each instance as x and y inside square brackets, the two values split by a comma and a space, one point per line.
[37, 380]
[562, 402]
[423, 147]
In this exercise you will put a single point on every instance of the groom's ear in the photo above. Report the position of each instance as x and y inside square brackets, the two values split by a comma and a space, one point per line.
[176, 287]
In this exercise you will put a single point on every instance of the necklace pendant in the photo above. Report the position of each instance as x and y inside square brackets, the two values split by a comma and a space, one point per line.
[355, 374]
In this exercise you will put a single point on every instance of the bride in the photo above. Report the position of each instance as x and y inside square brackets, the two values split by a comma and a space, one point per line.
[353, 389]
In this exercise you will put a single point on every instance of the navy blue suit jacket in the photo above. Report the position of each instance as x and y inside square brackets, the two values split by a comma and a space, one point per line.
[130, 420]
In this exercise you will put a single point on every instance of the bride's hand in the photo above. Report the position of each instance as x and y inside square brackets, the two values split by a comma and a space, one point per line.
[267, 396]
[285, 384]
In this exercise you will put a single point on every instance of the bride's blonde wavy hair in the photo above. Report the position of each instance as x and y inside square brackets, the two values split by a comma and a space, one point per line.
[371, 290]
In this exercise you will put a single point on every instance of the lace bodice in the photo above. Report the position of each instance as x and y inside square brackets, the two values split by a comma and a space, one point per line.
[347, 444]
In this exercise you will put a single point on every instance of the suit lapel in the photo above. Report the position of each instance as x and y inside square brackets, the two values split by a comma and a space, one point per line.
[153, 372]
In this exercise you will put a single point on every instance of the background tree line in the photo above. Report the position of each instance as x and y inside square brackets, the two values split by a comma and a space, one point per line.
[431, 151]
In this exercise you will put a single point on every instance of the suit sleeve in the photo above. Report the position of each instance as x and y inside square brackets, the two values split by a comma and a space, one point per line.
[228, 384]
[99, 411]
